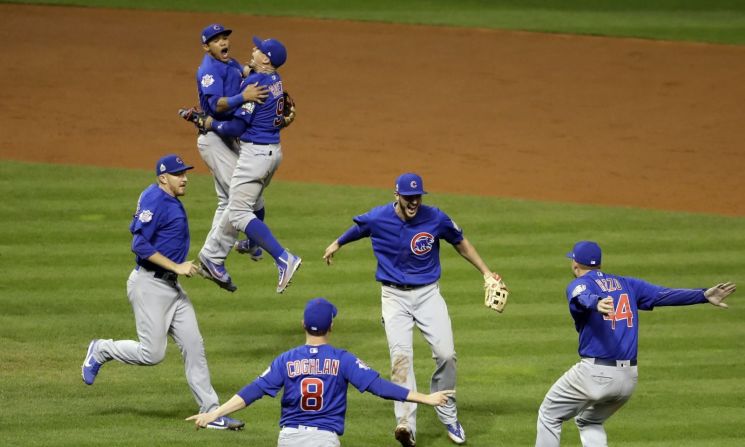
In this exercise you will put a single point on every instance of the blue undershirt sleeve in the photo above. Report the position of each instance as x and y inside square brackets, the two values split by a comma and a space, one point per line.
[588, 301]
[387, 390]
[354, 233]
[235, 101]
[141, 247]
[232, 128]
[250, 393]
[212, 101]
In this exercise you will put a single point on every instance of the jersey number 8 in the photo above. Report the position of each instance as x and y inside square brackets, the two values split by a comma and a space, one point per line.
[311, 390]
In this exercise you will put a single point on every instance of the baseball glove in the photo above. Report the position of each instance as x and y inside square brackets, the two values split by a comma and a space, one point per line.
[289, 110]
[495, 292]
[196, 117]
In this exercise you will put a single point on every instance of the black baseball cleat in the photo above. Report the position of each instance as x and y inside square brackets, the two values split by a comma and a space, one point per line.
[226, 423]
[405, 436]
[216, 273]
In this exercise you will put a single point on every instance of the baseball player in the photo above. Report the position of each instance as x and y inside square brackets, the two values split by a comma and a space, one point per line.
[219, 79]
[605, 309]
[405, 238]
[257, 125]
[315, 378]
[160, 243]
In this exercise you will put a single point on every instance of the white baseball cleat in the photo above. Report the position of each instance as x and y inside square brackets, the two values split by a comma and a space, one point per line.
[287, 266]
[456, 433]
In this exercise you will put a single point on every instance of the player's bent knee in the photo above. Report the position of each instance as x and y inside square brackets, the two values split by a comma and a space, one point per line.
[152, 357]
[240, 219]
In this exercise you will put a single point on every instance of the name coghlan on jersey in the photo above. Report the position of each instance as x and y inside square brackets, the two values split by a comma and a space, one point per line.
[312, 367]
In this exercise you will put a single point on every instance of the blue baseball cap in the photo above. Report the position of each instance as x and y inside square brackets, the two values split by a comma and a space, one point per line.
[213, 30]
[171, 164]
[410, 184]
[274, 49]
[586, 253]
[319, 313]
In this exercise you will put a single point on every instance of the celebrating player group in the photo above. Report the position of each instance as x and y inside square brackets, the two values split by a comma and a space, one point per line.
[243, 110]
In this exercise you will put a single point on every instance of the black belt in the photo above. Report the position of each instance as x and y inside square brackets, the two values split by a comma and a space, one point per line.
[165, 275]
[611, 362]
[404, 287]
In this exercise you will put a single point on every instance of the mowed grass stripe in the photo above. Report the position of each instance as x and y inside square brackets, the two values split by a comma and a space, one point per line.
[64, 245]
[721, 21]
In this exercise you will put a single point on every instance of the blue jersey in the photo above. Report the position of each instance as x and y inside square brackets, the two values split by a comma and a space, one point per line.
[408, 252]
[159, 224]
[254, 122]
[315, 381]
[216, 79]
[616, 337]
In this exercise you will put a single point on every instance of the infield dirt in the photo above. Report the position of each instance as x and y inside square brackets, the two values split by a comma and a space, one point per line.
[538, 116]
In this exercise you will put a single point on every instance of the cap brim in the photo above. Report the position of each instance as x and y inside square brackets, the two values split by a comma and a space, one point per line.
[186, 168]
[257, 41]
[227, 32]
[570, 255]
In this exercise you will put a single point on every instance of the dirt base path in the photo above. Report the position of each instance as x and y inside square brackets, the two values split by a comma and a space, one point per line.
[536, 116]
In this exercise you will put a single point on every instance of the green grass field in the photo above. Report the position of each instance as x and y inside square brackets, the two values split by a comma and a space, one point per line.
[64, 246]
[720, 21]
[64, 249]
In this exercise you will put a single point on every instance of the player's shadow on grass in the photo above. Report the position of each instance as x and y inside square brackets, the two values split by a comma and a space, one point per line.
[153, 413]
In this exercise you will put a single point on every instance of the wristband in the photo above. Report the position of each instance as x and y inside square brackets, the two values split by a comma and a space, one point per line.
[235, 101]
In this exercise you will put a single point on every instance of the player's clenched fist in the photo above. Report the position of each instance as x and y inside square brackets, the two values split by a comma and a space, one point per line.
[605, 306]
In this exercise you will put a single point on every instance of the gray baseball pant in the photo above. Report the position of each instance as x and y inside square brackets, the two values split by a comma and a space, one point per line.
[221, 156]
[425, 308]
[253, 173]
[307, 437]
[591, 394]
[162, 308]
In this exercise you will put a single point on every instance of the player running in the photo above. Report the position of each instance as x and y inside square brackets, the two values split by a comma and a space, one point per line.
[160, 241]
[405, 238]
[257, 126]
[219, 79]
[315, 377]
[605, 309]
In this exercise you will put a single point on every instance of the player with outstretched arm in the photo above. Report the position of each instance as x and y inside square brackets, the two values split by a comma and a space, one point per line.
[605, 308]
[315, 377]
[406, 238]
